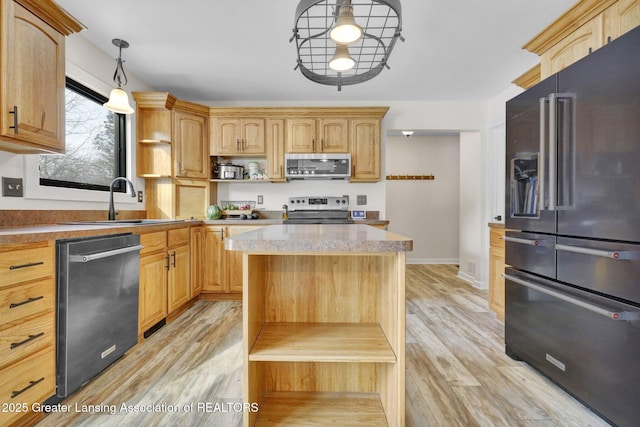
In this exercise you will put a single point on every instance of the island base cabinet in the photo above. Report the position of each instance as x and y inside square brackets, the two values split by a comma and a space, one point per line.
[324, 338]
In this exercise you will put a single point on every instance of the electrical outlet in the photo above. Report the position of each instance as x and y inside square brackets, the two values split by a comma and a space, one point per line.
[12, 187]
[140, 196]
[361, 199]
[260, 200]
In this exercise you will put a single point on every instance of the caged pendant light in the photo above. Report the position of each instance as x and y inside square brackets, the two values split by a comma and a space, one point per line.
[118, 99]
[345, 42]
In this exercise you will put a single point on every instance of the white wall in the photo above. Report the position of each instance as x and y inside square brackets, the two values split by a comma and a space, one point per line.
[472, 254]
[93, 68]
[427, 211]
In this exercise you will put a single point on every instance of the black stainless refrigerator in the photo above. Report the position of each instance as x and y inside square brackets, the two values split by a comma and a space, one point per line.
[573, 229]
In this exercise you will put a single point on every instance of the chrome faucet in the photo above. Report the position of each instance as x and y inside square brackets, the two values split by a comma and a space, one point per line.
[112, 211]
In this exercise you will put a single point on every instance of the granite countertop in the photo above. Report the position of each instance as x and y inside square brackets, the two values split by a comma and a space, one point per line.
[274, 221]
[318, 238]
[40, 232]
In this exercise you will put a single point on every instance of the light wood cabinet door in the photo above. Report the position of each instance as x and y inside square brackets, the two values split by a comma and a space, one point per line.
[213, 267]
[190, 145]
[365, 150]
[334, 136]
[33, 87]
[237, 136]
[620, 18]
[153, 290]
[197, 262]
[253, 138]
[179, 281]
[275, 150]
[301, 135]
[577, 45]
[225, 136]
[496, 269]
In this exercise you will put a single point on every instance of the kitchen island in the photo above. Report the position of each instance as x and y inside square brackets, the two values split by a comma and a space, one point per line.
[323, 325]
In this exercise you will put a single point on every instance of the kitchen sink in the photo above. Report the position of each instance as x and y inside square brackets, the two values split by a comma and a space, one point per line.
[124, 222]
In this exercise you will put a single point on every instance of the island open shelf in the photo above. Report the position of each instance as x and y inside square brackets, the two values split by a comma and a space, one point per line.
[322, 342]
[323, 325]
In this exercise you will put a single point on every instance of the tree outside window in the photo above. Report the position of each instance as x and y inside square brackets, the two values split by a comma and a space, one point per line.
[95, 144]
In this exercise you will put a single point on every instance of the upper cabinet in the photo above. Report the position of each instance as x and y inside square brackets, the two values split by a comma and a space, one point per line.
[190, 144]
[587, 26]
[273, 131]
[306, 135]
[172, 137]
[365, 150]
[33, 76]
[237, 136]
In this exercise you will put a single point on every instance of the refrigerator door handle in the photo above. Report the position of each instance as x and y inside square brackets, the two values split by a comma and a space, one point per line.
[543, 154]
[603, 311]
[553, 148]
[521, 241]
[617, 255]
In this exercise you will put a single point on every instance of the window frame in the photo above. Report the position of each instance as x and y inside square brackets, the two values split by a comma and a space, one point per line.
[120, 125]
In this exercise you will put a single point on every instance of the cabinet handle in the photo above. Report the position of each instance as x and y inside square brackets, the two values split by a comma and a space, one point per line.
[168, 266]
[31, 384]
[244, 144]
[179, 167]
[237, 144]
[313, 144]
[31, 338]
[30, 264]
[173, 255]
[280, 170]
[15, 119]
[18, 304]
[322, 144]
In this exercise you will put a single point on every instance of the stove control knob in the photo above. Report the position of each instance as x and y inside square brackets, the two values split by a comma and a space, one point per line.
[344, 201]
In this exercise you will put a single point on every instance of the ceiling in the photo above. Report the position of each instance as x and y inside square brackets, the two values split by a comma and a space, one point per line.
[213, 50]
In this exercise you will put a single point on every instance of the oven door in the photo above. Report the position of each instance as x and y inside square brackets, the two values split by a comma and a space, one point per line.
[588, 344]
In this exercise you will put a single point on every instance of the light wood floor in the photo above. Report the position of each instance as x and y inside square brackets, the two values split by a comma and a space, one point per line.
[457, 372]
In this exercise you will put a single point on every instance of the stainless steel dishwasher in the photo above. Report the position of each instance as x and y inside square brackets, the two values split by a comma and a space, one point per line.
[97, 305]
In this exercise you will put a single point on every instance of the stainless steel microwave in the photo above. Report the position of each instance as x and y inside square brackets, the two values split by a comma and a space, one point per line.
[318, 166]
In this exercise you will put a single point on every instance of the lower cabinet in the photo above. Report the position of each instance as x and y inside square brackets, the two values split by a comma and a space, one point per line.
[27, 329]
[222, 270]
[165, 271]
[496, 270]
[179, 281]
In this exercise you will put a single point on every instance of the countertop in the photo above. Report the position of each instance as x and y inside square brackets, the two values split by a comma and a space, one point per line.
[39, 232]
[318, 238]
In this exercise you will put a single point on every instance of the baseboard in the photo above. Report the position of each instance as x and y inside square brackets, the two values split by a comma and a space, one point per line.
[432, 260]
[471, 280]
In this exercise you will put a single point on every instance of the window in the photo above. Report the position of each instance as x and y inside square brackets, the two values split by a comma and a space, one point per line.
[95, 144]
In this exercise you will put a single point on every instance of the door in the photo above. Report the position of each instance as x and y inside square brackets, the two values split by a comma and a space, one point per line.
[334, 135]
[527, 190]
[301, 135]
[191, 150]
[214, 267]
[584, 342]
[179, 283]
[253, 141]
[34, 83]
[365, 150]
[602, 194]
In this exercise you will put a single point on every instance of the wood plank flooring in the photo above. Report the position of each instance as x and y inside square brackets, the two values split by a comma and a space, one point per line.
[457, 372]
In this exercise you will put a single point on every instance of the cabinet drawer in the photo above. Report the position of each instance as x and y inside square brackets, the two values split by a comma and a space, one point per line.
[31, 380]
[153, 242]
[495, 237]
[28, 263]
[26, 300]
[178, 237]
[26, 338]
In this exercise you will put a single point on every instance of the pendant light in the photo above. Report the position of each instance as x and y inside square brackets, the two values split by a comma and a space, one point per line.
[341, 60]
[346, 31]
[118, 99]
[329, 57]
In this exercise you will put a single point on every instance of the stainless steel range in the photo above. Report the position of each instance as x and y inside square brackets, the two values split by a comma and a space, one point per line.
[318, 210]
